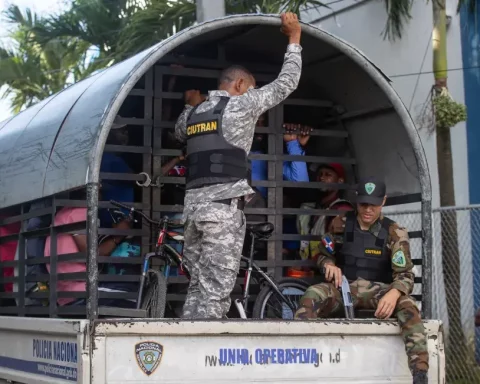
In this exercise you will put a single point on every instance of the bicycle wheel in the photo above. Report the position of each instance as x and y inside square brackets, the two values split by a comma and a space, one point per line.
[155, 298]
[269, 304]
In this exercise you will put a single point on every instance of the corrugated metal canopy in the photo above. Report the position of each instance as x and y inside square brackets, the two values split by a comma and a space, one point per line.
[57, 144]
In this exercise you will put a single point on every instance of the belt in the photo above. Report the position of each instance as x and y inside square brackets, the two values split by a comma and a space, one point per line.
[240, 202]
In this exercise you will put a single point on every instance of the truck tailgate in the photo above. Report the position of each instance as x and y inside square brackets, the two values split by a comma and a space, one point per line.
[360, 351]
[43, 350]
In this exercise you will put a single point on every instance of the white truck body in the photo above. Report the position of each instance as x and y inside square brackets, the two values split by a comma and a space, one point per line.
[168, 351]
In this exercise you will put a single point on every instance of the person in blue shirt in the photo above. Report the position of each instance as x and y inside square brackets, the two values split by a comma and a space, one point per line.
[292, 170]
[295, 138]
[118, 190]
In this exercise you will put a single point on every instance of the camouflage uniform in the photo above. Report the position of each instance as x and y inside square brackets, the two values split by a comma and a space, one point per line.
[324, 299]
[214, 232]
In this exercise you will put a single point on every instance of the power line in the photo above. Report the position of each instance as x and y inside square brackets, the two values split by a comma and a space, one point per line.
[432, 72]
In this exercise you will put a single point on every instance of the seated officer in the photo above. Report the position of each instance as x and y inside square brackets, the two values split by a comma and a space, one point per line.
[373, 253]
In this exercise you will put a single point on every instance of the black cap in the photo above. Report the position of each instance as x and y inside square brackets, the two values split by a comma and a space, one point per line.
[371, 190]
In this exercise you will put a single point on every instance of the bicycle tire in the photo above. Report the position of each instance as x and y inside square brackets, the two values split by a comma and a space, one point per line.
[155, 299]
[267, 291]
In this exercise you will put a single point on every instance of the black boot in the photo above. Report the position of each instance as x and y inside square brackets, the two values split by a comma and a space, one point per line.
[420, 377]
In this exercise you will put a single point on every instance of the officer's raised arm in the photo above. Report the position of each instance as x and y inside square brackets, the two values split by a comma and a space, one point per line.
[403, 276]
[270, 95]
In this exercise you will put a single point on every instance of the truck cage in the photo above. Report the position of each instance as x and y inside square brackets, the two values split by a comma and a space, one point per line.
[56, 147]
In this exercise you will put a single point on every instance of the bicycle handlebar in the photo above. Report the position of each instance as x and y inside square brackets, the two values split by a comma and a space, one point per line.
[134, 211]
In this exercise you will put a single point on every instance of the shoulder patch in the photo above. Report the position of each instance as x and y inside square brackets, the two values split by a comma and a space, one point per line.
[399, 259]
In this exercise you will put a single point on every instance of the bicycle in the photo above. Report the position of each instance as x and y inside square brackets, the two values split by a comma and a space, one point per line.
[275, 298]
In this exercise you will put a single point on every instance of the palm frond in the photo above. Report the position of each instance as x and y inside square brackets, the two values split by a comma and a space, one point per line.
[160, 20]
[398, 14]
[33, 72]
[98, 22]
[14, 15]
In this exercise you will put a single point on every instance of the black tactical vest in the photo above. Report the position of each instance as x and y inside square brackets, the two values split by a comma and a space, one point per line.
[210, 158]
[364, 255]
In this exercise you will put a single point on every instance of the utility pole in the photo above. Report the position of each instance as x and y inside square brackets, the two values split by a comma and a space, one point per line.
[210, 9]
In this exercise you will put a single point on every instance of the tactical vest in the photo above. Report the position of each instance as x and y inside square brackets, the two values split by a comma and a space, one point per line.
[210, 158]
[364, 255]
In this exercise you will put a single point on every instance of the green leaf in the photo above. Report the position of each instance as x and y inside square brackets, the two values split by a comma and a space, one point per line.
[398, 14]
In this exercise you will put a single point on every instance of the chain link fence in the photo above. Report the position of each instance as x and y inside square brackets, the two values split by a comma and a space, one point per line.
[456, 283]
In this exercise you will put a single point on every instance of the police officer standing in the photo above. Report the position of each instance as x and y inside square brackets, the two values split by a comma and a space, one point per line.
[219, 133]
[373, 252]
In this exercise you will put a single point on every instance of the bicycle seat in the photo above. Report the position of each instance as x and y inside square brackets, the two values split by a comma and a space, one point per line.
[261, 229]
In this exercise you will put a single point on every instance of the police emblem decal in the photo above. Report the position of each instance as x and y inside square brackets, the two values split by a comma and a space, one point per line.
[149, 355]
[399, 259]
[369, 188]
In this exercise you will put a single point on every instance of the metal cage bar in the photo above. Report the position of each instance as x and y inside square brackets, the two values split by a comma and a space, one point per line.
[278, 122]
[52, 308]
[92, 246]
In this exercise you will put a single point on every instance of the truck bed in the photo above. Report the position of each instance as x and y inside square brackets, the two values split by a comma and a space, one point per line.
[235, 351]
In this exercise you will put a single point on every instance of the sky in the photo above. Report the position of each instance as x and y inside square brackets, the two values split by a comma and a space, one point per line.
[42, 7]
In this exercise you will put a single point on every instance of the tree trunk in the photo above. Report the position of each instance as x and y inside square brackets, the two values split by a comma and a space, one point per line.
[459, 359]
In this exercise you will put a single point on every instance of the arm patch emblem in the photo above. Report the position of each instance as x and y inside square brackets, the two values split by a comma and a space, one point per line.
[399, 260]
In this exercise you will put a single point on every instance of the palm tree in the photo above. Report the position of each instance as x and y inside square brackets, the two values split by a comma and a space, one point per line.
[96, 23]
[32, 72]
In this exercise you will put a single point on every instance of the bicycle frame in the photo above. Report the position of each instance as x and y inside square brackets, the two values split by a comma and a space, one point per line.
[248, 274]
[162, 250]
[170, 255]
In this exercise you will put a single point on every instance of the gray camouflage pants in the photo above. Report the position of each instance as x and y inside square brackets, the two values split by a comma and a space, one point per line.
[214, 235]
